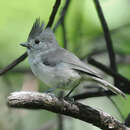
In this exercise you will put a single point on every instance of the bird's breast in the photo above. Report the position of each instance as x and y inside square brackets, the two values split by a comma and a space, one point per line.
[41, 71]
[57, 76]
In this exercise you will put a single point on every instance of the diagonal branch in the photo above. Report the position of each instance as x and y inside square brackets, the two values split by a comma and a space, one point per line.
[23, 57]
[53, 14]
[63, 13]
[107, 36]
[35, 100]
[90, 94]
[13, 64]
[64, 35]
[61, 21]
[112, 57]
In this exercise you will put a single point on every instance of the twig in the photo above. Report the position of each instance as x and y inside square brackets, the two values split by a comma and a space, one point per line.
[23, 57]
[90, 94]
[35, 100]
[21, 70]
[13, 64]
[53, 14]
[60, 117]
[113, 31]
[62, 22]
[121, 58]
[60, 122]
[108, 39]
[64, 35]
[95, 53]
[106, 35]
[63, 13]
[94, 93]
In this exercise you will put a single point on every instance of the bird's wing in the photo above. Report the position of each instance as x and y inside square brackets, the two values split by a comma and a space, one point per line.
[61, 55]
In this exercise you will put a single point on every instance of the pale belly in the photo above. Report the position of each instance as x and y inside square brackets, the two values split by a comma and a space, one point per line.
[60, 76]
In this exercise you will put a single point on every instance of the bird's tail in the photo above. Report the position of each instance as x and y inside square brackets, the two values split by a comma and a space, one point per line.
[109, 86]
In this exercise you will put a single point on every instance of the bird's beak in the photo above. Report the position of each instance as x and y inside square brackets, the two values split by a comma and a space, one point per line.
[25, 44]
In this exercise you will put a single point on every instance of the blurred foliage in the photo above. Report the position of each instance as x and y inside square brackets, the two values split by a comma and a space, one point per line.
[84, 34]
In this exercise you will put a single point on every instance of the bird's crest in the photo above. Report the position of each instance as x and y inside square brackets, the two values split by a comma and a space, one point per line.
[37, 28]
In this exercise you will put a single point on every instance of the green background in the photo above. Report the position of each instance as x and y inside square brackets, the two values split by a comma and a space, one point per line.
[84, 34]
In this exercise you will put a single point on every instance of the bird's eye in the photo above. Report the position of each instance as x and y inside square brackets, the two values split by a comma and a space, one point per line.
[37, 41]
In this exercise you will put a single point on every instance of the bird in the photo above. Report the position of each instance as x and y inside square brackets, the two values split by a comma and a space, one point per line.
[57, 67]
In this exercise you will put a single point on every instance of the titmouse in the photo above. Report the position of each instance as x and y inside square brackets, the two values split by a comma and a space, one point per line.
[56, 66]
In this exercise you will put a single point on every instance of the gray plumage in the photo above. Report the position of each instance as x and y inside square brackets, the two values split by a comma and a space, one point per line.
[36, 30]
[55, 66]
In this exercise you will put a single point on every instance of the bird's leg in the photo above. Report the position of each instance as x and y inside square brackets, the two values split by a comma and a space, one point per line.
[71, 91]
[75, 86]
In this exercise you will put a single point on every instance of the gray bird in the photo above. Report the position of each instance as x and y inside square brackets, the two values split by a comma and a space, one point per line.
[56, 66]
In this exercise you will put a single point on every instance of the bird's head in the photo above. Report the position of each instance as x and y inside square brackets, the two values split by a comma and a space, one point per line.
[40, 39]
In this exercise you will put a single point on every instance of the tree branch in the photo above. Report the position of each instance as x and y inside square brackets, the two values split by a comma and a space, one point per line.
[89, 94]
[60, 122]
[35, 100]
[61, 21]
[112, 57]
[53, 14]
[121, 57]
[63, 13]
[107, 36]
[64, 35]
[13, 64]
